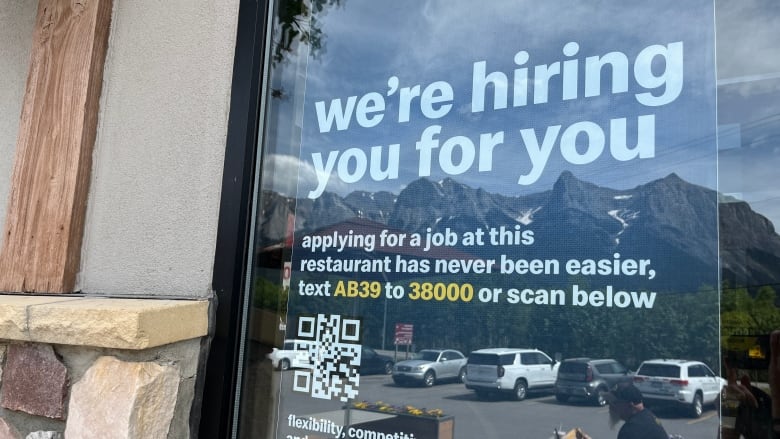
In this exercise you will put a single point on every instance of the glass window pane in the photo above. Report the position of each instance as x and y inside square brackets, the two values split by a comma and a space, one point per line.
[507, 177]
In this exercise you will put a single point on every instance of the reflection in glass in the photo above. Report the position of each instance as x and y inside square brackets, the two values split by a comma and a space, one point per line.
[748, 159]
[419, 119]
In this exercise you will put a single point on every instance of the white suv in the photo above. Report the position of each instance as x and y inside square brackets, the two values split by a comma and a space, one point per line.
[689, 384]
[509, 370]
[294, 353]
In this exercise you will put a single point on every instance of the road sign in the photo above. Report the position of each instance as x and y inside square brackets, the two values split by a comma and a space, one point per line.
[403, 333]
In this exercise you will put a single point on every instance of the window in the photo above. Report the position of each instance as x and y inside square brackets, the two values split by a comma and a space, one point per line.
[605, 368]
[659, 370]
[428, 184]
[696, 371]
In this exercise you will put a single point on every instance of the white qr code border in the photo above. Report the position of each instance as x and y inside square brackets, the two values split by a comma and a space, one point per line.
[333, 345]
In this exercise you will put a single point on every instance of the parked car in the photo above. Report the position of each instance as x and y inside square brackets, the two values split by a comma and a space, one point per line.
[294, 353]
[372, 361]
[508, 370]
[302, 353]
[589, 378]
[430, 366]
[682, 383]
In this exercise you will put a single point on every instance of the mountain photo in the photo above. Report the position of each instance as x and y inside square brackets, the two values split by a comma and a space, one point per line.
[669, 221]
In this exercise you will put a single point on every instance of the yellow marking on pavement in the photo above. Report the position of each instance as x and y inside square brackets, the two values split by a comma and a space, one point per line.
[702, 419]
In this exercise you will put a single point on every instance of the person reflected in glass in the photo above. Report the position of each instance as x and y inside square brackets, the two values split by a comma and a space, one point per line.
[626, 405]
[735, 399]
[753, 417]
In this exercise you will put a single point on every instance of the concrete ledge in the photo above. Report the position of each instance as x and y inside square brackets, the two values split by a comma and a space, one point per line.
[101, 322]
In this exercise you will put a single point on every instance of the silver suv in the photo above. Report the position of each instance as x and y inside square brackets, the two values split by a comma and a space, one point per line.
[509, 370]
[430, 366]
[682, 383]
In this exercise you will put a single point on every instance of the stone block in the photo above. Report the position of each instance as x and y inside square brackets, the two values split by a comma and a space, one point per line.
[14, 314]
[101, 321]
[119, 323]
[44, 435]
[35, 381]
[123, 400]
[7, 431]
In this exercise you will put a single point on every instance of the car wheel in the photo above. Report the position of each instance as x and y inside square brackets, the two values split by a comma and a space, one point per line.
[521, 390]
[462, 375]
[429, 378]
[284, 364]
[561, 397]
[388, 368]
[598, 398]
[696, 406]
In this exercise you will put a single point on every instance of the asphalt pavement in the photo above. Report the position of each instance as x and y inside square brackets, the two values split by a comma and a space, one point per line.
[499, 417]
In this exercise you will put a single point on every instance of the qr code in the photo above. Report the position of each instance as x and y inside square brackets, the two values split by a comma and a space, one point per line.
[334, 354]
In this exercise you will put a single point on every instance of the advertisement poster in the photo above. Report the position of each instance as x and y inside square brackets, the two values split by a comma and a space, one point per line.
[538, 176]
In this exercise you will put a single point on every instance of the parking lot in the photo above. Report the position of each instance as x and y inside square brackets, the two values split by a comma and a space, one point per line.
[498, 417]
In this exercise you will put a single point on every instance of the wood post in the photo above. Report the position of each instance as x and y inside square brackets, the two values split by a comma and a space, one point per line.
[48, 196]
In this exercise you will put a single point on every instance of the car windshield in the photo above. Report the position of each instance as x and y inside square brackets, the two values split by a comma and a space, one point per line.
[427, 356]
[659, 370]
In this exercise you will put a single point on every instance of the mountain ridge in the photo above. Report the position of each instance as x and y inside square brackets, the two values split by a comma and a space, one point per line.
[674, 223]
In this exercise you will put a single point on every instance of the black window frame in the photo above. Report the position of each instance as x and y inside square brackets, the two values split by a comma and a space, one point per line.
[213, 412]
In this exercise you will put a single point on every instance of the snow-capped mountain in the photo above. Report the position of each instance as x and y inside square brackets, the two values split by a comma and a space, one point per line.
[673, 223]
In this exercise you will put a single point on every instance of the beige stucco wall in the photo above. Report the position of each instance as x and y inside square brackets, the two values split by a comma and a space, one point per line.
[17, 19]
[154, 196]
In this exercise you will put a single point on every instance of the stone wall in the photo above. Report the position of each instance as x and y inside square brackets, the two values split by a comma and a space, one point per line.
[47, 391]
[97, 367]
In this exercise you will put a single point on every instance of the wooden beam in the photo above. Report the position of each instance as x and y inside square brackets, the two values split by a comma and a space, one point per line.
[48, 196]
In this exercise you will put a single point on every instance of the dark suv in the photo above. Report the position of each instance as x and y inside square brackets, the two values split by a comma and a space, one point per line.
[588, 378]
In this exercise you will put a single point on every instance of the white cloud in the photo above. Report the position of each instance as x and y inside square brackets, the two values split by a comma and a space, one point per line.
[747, 37]
[280, 167]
